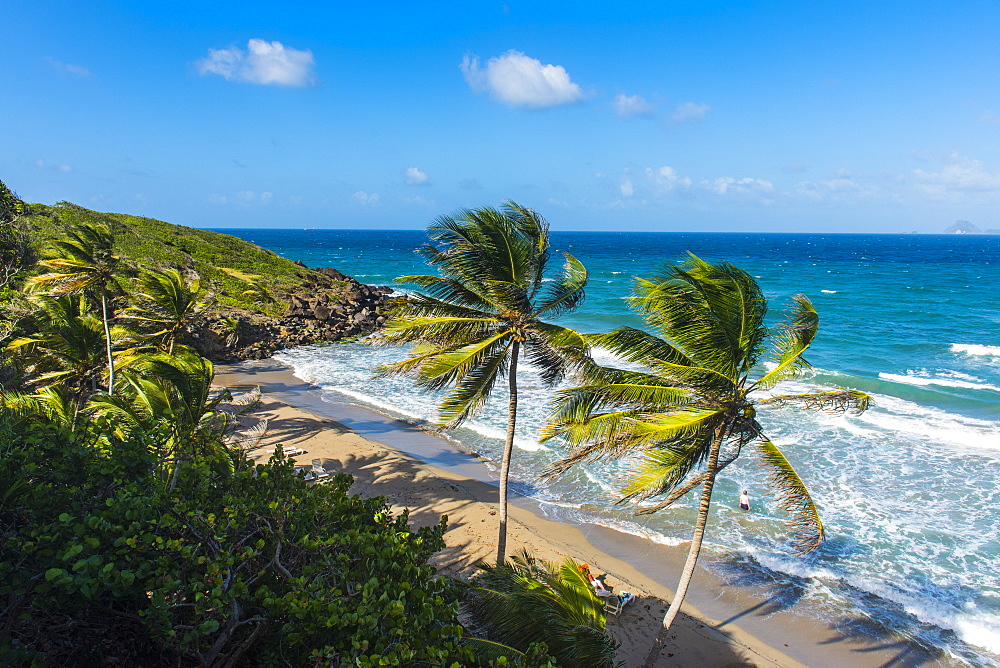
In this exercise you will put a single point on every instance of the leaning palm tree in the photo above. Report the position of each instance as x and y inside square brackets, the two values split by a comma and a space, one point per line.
[169, 303]
[689, 409]
[84, 261]
[488, 304]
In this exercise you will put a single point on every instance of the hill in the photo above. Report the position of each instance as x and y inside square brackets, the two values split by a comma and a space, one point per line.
[264, 302]
[232, 264]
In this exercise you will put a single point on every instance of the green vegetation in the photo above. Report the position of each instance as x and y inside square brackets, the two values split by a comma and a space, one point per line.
[693, 404]
[16, 250]
[241, 271]
[84, 261]
[133, 528]
[169, 303]
[525, 601]
[475, 318]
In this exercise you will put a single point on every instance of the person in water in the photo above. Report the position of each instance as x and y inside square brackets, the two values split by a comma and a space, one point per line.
[745, 500]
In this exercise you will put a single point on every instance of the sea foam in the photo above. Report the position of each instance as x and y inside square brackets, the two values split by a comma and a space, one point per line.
[941, 382]
[976, 349]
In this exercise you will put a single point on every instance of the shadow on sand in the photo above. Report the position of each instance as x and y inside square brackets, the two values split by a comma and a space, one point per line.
[862, 632]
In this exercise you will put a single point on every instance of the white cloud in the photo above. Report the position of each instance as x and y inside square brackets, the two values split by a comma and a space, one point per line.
[954, 181]
[415, 177]
[250, 197]
[629, 106]
[420, 201]
[66, 68]
[689, 111]
[727, 185]
[667, 182]
[62, 167]
[844, 185]
[666, 179]
[520, 81]
[368, 199]
[990, 117]
[626, 188]
[262, 63]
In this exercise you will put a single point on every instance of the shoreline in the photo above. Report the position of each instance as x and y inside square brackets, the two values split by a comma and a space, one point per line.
[415, 469]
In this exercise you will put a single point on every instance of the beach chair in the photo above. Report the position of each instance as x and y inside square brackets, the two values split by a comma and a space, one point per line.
[290, 451]
[613, 604]
[317, 469]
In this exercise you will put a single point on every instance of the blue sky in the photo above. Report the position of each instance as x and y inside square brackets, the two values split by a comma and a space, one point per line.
[666, 116]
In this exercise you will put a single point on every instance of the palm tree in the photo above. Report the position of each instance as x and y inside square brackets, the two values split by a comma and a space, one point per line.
[478, 315]
[65, 347]
[168, 401]
[170, 303]
[84, 261]
[258, 292]
[691, 409]
[526, 600]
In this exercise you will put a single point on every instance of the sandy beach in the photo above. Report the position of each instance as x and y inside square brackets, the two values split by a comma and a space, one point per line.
[424, 474]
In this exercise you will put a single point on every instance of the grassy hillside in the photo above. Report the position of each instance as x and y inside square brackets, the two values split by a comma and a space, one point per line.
[232, 264]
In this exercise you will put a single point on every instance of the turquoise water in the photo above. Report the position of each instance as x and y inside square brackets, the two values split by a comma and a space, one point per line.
[909, 491]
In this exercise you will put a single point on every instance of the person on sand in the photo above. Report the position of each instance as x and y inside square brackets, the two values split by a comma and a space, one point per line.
[600, 588]
[745, 500]
[585, 569]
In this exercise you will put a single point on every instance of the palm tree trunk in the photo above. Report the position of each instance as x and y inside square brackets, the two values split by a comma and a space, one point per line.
[107, 341]
[507, 449]
[692, 559]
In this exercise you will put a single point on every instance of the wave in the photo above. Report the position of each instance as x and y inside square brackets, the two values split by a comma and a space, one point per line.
[976, 349]
[941, 382]
[829, 292]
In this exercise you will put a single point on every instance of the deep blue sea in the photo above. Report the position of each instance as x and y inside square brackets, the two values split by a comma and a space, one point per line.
[909, 491]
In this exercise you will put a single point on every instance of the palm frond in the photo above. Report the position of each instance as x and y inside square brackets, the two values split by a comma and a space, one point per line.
[830, 401]
[662, 469]
[806, 525]
[448, 290]
[491, 650]
[554, 351]
[474, 388]
[454, 362]
[442, 330]
[566, 292]
[794, 337]
[525, 601]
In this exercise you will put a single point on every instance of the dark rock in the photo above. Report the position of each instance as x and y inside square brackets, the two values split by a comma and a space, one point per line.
[314, 314]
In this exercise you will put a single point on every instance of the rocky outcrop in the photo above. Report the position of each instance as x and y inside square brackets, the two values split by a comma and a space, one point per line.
[316, 313]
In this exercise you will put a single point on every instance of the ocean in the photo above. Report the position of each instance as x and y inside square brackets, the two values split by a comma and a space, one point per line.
[909, 491]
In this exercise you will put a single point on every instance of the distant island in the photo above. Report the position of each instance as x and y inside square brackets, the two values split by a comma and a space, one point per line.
[965, 227]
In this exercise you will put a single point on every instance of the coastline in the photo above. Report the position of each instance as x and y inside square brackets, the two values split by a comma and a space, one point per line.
[424, 473]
